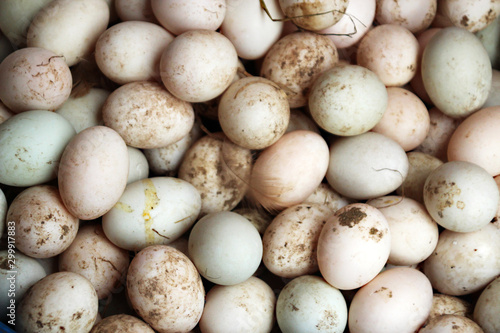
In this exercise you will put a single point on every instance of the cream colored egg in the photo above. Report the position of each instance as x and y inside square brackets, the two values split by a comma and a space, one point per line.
[120, 55]
[254, 112]
[219, 170]
[69, 28]
[397, 300]
[406, 119]
[44, 228]
[225, 247]
[138, 167]
[84, 111]
[146, 115]
[198, 65]
[464, 263]
[414, 16]
[245, 307]
[296, 60]
[135, 10]
[451, 323]
[63, 300]
[414, 234]
[309, 304]
[31, 145]
[366, 166]
[34, 78]
[456, 72]
[152, 211]
[260, 218]
[490, 37]
[93, 256]
[487, 307]
[93, 172]
[324, 194]
[493, 97]
[461, 196]
[290, 241]
[300, 121]
[391, 52]
[122, 323]
[470, 15]
[347, 100]
[421, 166]
[314, 15]
[178, 16]
[353, 25]
[165, 289]
[250, 29]
[475, 140]
[287, 172]
[443, 304]
[353, 246]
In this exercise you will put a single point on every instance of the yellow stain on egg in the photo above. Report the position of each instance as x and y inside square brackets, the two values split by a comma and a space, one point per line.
[151, 201]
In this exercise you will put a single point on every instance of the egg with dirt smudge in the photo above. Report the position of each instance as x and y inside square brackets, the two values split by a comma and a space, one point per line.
[152, 211]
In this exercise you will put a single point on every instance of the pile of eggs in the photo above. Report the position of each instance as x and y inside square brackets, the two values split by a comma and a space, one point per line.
[250, 166]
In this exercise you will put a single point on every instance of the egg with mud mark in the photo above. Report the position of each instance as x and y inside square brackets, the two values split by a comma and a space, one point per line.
[353, 246]
[152, 211]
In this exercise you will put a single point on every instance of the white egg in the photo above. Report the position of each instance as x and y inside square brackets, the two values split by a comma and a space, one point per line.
[487, 308]
[225, 247]
[152, 211]
[31, 145]
[309, 304]
[138, 167]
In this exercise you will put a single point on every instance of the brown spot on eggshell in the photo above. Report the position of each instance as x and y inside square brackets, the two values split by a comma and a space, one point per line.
[351, 217]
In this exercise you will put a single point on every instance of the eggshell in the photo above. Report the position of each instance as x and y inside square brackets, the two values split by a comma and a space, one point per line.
[179, 16]
[470, 15]
[490, 37]
[260, 218]
[347, 100]
[451, 323]
[152, 211]
[300, 121]
[325, 195]
[457, 93]
[135, 10]
[438, 137]
[63, 300]
[69, 28]
[244, 307]
[254, 112]
[316, 15]
[475, 140]
[84, 111]
[122, 323]
[414, 16]
[16, 16]
[31, 145]
[353, 25]
[93, 256]
[120, 55]
[33, 78]
[146, 115]
[198, 65]
[290, 241]
[219, 170]
[309, 304]
[421, 166]
[397, 300]
[93, 172]
[353, 246]
[138, 167]
[296, 60]
[18, 273]
[405, 120]
[165, 289]
[464, 263]
[165, 161]
[366, 166]
[414, 234]
[494, 94]
[225, 247]
[250, 29]
[43, 226]
[275, 184]
[461, 196]
[445, 304]
[487, 307]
